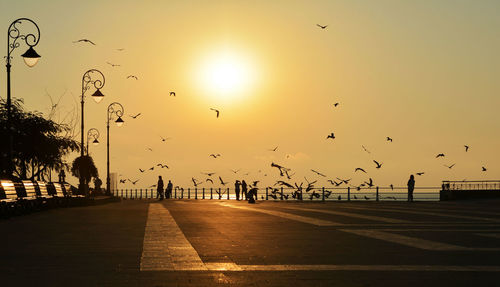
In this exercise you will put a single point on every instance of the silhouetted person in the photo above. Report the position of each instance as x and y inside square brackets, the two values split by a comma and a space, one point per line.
[159, 188]
[168, 191]
[244, 189]
[62, 176]
[237, 185]
[97, 185]
[411, 187]
[252, 195]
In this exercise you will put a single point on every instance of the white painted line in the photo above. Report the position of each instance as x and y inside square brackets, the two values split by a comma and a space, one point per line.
[165, 247]
[414, 242]
[348, 214]
[303, 219]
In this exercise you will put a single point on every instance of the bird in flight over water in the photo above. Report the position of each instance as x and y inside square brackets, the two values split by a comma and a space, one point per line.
[84, 40]
[172, 94]
[132, 76]
[420, 173]
[440, 155]
[483, 168]
[274, 149]
[389, 139]
[216, 111]
[379, 165]
[449, 166]
[365, 149]
[466, 148]
[318, 173]
[330, 136]
[360, 169]
[321, 26]
[215, 155]
[135, 117]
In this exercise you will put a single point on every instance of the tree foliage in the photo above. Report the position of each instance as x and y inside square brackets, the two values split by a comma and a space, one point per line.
[39, 144]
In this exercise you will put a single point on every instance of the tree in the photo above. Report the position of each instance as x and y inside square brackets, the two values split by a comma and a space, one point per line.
[39, 144]
[84, 167]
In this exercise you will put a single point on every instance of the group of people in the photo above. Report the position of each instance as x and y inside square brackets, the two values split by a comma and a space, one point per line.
[242, 187]
[160, 193]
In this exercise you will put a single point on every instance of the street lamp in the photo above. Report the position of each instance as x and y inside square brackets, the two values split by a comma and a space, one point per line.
[92, 133]
[114, 109]
[31, 57]
[87, 81]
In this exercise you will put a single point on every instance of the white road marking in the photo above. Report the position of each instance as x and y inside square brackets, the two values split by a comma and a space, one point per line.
[303, 219]
[414, 242]
[348, 214]
[165, 247]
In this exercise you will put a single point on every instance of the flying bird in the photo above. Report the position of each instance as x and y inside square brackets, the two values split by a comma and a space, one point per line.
[466, 148]
[360, 169]
[162, 165]
[120, 49]
[123, 180]
[318, 173]
[369, 182]
[235, 171]
[336, 104]
[84, 40]
[132, 76]
[420, 173]
[209, 180]
[330, 136]
[221, 181]
[274, 149]
[450, 166]
[141, 170]
[216, 111]
[379, 165]
[194, 182]
[389, 139]
[280, 182]
[133, 182]
[322, 27]
[483, 168]
[113, 65]
[214, 155]
[440, 155]
[208, 173]
[134, 117]
[365, 149]
[345, 181]
[172, 94]
[164, 139]
[152, 168]
[150, 149]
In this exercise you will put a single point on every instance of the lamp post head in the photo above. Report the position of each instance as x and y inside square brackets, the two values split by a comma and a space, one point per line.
[97, 96]
[95, 142]
[31, 57]
[119, 122]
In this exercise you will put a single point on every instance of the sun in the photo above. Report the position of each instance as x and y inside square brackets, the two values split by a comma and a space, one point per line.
[226, 75]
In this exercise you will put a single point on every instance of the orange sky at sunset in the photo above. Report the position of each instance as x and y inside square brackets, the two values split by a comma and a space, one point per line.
[424, 73]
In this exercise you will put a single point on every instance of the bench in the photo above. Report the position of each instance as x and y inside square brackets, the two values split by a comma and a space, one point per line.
[8, 198]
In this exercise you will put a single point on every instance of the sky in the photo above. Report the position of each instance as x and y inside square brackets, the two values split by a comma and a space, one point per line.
[424, 73]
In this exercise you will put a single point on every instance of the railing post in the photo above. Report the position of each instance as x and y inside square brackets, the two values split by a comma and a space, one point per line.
[175, 192]
[348, 193]
[281, 196]
[189, 192]
[141, 194]
[220, 196]
[203, 193]
[182, 193]
[267, 193]
[228, 193]
[323, 193]
[122, 192]
[376, 196]
[195, 193]
[211, 194]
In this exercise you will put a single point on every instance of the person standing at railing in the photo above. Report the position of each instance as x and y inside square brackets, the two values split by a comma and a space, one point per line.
[168, 191]
[244, 189]
[411, 187]
[237, 185]
[159, 188]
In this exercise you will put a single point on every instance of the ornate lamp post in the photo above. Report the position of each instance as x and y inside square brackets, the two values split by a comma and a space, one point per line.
[114, 109]
[92, 133]
[87, 81]
[31, 57]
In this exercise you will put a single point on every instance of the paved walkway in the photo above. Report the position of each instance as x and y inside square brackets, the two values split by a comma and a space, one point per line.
[206, 243]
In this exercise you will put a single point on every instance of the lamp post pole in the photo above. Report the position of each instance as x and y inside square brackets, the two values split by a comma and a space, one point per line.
[30, 58]
[87, 81]
[114, 109]
[92, 133]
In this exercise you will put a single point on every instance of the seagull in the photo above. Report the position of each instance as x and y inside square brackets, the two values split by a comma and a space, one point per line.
[333, 182]
[379, 165]
[330, 136]
[84, 40]
[162, 165]
[123, 180]
[194, 182]
[215, 110]
[164, 139]
[440, 155]
[466, 148]
[152, 168]
[360, 169]
[370, 182]
[150, 149]
[141, 170]
[214, 155]
[483, 168]
[133, 182]
[280, 182]
[235, 171]
[113, 65]
[318, 173]
[274, 149]
[132, 76]
[389, 139]
[221, 181]
[134, 117]
[346, 181]
[209, 180]
[322, 27]
[120, 49]
[153, 185]
[172, 94]
[449, 166]
[208, 173]
[365, 149]
[420, 173]
[336, 104]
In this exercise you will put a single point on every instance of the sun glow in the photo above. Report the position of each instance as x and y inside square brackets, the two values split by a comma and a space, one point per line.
[226, 75]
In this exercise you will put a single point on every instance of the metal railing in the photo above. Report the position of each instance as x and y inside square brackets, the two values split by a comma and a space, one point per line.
[471, 185]
[291, 194]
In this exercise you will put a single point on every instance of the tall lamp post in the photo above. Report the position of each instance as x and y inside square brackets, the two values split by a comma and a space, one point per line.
[89, 79]
[31, 57]
[92, 133]
[114, 110]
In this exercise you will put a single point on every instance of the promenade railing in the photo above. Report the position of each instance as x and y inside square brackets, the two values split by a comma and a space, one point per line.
[289, 194]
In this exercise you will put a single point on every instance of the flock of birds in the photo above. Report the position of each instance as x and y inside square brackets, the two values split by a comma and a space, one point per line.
[276, 190]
